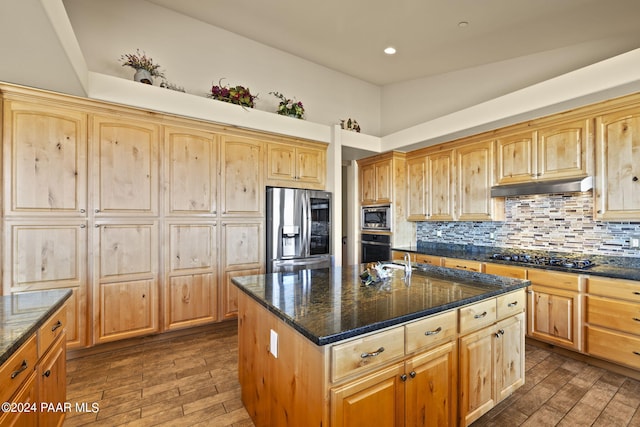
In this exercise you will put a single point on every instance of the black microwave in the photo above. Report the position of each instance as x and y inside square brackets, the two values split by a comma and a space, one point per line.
[376, 218]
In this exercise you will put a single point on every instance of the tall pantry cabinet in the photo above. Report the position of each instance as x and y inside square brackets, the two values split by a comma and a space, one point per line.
[145, 216]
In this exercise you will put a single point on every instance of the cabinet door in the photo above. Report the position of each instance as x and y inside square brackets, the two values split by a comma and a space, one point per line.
[431, 389]
[242, 178]
[417, 188]
[440, 181]
[311, 167]
[45, 151]
[516, 158]
[384, 181]
[53, 383]
[554, 316]
[474, 166]
[509, 355]
[376, 399]
[476, 370]
[565, 150]
[191, 294]
[368, 184]
[50, 256]
[618, 167]
[27, 394]
[230, 292]
[125, 280]
[191, 171]
[125, 164]
[281, 162]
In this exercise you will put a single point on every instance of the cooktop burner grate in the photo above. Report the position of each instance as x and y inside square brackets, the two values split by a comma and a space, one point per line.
[562, 262]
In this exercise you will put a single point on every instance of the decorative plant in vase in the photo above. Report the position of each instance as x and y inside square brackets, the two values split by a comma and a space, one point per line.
[234, 94]
[144, 66]
[288, 107]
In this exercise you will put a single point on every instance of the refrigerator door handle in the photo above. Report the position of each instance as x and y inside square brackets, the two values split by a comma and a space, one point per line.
[306, 225]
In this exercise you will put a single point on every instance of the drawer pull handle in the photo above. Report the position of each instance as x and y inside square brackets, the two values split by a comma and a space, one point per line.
[23, 367]
[434, 332]
[373, 354]
[47, 373]
[461, 266]
[512, 304]
[56, 326]
[636, 353]
[499, 333]
[480, 316]
[636, 293]
[636, 319]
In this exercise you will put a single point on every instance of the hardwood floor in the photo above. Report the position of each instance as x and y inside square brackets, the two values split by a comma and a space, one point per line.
[192, 381]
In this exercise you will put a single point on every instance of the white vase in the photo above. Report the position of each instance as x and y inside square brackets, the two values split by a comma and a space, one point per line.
[143, 76]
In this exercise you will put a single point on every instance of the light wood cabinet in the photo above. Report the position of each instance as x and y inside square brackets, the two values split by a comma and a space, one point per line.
[125, 166]
[555, 309]
[45, 160]
[48, 256]
[242, 179]
[125, 302]
[296, 165]
[242, 253]
[190, 292]
[430, 180]
[474, 179]
[491, 366]
[556, 151]
[417, 203]
[505, 270]
[613, 320]
[618, 166]
[463, 264]
[191, 172]
[35, 375]
[376, 180]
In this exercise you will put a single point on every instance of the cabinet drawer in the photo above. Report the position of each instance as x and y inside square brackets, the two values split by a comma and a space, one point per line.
[52, 329]
[505, 270]
[614, 346]
[615, 314]
[477, 315]
[614, 288]
[361, 354]
[429, 259]
[17, 368]
[428, 332]
[463, 264]
[567, 281]
[511, 303]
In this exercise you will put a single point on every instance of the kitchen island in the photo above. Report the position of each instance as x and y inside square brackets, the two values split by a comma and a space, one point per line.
[319, 348]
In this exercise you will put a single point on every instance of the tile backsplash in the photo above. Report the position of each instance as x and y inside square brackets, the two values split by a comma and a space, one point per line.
[551, 222]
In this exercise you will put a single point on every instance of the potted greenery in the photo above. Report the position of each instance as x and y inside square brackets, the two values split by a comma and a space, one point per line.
[144, 66]
[288, 107]
[235, 94]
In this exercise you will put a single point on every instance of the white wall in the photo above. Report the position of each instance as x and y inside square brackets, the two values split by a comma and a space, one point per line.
[196, 55]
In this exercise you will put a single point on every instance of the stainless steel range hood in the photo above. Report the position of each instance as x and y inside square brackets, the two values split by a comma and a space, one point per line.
[572, 185]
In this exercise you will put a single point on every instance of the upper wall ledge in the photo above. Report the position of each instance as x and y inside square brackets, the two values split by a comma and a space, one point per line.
[607, 79]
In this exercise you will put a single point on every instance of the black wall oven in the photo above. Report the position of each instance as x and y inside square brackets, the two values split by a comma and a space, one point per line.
[375, 247]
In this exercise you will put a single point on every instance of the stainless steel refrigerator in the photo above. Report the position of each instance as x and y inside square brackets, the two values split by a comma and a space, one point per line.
[298, 229]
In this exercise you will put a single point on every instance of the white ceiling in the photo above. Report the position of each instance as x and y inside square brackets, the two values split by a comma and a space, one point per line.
[349, 35]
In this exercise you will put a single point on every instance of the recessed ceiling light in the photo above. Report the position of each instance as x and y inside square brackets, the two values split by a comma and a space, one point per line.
[463, 24]
[390, 50]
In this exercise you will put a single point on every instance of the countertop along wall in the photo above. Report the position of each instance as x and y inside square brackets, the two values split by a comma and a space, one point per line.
[551, 222]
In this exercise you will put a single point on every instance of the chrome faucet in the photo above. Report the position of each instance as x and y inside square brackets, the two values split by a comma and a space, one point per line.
[407, 264]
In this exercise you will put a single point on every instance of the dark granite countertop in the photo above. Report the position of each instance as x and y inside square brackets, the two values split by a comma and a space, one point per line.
[332, 304]
[614, 267]
[22, 314]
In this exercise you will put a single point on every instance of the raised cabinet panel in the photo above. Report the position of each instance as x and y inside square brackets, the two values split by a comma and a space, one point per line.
[125, 165]
[565, 150]
[368, 184]
[509, 356]
[50, 256]
[281, 162]
[242, 177]
[241, 245]
[229, 297]
[477, 374]
[126, 309]
[440, 184]
[417, 188]
[191, 172]
[618, 166]
[384, 181]
[191, 293]
[474, 167]
[516, 158]
[45, 153]
[554, 316]
[125, 288]
[52, 387]
[376, 399]
[294, 165]
[312, 167]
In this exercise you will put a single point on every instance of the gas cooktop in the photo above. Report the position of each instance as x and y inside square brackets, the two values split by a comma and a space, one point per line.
[553, 261]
